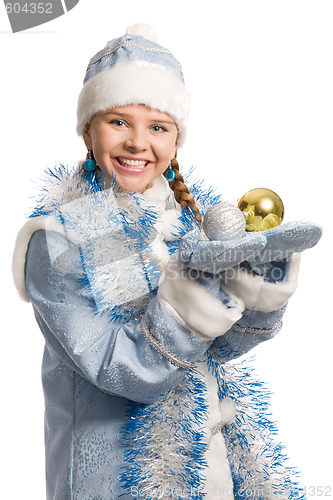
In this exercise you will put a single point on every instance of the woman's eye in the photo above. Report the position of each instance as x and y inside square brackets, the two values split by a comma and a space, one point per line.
[158, 128]
[118, 123]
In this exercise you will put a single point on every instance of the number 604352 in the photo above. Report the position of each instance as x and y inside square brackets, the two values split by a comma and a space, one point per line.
[29, 8]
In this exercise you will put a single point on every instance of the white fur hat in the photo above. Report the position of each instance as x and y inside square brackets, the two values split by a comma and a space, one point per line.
[134, 69]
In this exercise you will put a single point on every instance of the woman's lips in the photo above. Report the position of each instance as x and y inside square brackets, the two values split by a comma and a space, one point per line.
[131, 165]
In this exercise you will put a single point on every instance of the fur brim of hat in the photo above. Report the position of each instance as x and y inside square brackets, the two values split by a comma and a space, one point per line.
[136, 82]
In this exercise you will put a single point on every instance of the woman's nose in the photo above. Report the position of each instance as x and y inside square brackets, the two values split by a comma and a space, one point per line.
[136, 140]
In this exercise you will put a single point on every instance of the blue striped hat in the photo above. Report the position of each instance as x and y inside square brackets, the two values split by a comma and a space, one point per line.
[134, 69]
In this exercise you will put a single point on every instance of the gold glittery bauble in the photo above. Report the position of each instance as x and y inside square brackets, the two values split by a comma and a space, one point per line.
[262, 208]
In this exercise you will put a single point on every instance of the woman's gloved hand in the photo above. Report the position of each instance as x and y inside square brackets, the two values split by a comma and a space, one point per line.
[250, 278]
[259, 268]
[257, 248]
[215, 257]
[282, 242]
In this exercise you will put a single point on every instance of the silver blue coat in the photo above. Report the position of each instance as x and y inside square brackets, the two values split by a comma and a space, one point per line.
[96, 369]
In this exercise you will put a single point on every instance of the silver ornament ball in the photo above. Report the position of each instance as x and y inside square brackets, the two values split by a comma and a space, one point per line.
[224, 222]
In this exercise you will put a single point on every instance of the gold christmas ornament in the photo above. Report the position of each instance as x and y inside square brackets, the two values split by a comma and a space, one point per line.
[262, 208]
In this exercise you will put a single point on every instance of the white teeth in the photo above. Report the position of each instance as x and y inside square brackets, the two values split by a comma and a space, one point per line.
[135, 164]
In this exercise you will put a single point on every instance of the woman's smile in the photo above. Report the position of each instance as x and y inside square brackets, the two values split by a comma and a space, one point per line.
[132, 164]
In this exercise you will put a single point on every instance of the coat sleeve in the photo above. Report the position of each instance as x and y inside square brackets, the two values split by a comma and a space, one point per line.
[136, 360]
[239, 310]
[254, 328]
[265, 298]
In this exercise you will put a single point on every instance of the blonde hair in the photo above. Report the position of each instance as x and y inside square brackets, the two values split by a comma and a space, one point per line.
[181, 192]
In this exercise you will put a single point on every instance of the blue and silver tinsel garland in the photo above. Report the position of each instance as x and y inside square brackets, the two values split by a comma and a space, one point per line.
[166, 441]
[166, 444]
[258, 465]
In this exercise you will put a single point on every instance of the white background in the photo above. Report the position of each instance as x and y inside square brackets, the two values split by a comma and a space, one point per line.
[260, 78]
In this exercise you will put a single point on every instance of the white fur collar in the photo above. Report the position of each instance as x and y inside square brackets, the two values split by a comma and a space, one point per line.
[158, 193]
[156, 198]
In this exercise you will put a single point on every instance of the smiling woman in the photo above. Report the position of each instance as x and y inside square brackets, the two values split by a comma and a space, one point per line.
[143, 316]
[133, 144]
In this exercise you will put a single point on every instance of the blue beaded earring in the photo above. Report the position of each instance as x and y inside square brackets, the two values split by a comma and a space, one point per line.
[170, 175]
[90, 163]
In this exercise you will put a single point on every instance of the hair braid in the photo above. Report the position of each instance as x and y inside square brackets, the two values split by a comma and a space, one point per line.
[181, 191]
